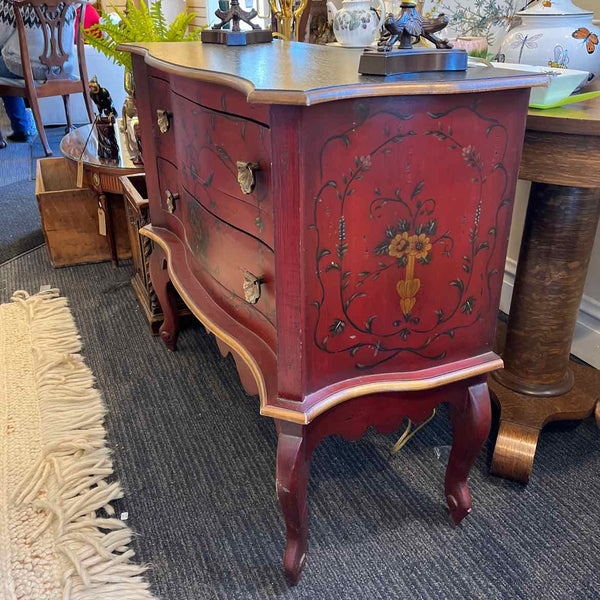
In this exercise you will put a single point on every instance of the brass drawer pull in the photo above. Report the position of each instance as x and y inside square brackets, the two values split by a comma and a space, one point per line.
[171, 199]
[245, 176]
[252, 285]
[163, 118]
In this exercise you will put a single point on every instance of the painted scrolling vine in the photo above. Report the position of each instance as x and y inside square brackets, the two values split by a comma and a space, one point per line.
[413, 239]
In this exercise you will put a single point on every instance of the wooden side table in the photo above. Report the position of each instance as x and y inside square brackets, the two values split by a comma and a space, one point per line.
[103, 177]
[538, 385]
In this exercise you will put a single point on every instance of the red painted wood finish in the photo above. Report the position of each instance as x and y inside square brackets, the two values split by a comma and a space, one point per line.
[388, 218]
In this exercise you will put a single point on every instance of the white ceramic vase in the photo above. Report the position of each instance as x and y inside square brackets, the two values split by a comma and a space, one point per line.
[356, 24]
[554, 33]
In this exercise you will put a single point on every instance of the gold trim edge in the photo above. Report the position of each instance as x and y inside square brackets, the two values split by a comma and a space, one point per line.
[402, 386]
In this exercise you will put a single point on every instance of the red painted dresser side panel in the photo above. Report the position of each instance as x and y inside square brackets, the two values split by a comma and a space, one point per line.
[407, 210]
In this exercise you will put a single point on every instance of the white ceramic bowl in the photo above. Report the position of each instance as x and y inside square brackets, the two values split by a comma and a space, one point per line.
[562, 84]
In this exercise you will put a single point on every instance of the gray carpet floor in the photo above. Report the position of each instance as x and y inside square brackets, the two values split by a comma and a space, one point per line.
[197, 464]
[20, 225]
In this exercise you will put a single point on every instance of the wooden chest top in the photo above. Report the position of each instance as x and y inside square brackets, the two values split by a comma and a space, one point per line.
[306, 74]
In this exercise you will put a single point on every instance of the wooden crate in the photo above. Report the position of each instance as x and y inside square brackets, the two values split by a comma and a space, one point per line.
[70, 217]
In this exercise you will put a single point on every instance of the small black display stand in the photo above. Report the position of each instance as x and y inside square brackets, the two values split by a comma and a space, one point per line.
[235, 36]
[408, 27]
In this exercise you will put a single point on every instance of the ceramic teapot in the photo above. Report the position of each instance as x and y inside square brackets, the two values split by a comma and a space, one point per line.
[554, 33]
[356, 23]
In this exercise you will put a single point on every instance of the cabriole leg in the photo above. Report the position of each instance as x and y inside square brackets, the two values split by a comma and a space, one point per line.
[471, 419]
[293, 466]
[159, 275]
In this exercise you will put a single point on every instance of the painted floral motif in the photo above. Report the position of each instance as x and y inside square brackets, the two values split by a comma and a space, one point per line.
[350, 20]
[411, 239]
[408, 248]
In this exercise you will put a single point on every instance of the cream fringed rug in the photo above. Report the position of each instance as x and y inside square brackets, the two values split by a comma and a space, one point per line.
[54, 542]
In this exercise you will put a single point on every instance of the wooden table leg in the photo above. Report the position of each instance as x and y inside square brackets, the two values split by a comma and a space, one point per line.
[537, 385]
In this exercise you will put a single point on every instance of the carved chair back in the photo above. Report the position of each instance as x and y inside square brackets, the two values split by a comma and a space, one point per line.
[51, 16]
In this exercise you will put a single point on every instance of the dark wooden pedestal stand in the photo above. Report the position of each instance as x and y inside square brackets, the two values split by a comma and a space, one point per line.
[538, 384]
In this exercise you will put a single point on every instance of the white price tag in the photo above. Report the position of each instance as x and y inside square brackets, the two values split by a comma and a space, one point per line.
[101, 220]
[80, 173]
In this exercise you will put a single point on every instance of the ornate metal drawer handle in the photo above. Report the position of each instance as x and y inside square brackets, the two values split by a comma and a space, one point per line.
[171, 199]
[252, 285]
[163, 118]
[245, 176]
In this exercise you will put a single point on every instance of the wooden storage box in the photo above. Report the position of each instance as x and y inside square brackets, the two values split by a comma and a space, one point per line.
[70, 217]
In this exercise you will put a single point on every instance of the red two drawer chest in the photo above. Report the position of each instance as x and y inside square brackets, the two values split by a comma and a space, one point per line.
[344, 237]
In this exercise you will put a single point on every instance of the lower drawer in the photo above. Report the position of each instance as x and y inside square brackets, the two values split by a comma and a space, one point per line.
[242, 215]
[242, 267]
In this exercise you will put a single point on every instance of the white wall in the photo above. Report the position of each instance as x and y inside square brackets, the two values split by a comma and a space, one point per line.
[200, 8]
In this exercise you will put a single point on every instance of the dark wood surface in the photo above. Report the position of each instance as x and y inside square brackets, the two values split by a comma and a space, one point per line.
[297, 73]
[53, 13]
[537, 385]
[389, 263]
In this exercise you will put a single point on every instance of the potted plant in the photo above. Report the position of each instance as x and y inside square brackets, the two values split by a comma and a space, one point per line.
[143, 23]
[139, 24]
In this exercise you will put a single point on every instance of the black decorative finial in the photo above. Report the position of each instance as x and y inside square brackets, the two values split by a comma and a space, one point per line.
[236, 36]
[405, 29]
[409, 26]
[235, 14]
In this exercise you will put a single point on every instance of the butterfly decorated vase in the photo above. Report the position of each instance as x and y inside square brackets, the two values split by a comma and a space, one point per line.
[554, 33]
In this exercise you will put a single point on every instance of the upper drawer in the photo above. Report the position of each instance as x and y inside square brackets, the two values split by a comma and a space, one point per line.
[220, 98]
[163, 121]
[214, 148]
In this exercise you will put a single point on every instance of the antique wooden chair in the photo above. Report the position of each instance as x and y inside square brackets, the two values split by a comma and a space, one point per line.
[52, 14]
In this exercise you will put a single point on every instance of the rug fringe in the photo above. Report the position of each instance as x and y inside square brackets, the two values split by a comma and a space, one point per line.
[68, 480]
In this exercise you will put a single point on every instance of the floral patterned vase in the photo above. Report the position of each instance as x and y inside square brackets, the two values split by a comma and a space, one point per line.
[554, 33]
[356, 23]
[490, 19]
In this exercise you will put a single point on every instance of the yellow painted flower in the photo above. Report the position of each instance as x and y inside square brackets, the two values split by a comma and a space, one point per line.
[419, 246]
[400, 245]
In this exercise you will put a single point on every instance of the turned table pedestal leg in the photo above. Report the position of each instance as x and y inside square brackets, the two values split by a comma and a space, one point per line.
[537, 384]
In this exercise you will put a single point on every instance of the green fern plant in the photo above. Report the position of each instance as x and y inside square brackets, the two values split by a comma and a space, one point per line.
[139, 24]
